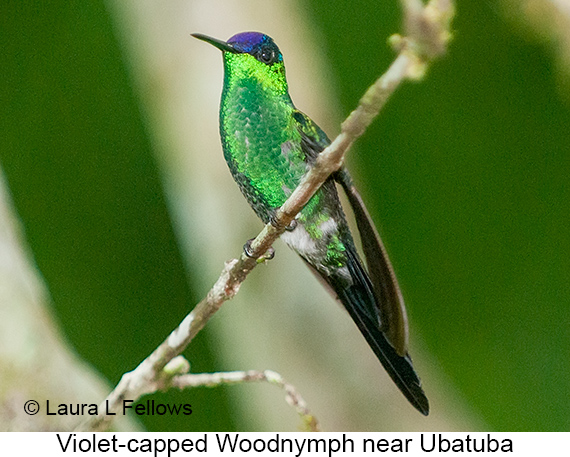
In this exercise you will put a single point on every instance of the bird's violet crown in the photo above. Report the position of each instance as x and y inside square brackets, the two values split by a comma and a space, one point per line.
[247, 41]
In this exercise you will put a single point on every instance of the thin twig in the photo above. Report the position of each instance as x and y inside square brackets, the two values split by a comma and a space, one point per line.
[427, 34]
[292, 397]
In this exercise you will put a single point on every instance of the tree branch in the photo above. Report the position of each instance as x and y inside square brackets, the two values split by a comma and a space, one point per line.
[427, 35]
[292, 397]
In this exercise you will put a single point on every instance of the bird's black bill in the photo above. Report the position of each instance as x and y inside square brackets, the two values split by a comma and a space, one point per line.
[221, 45]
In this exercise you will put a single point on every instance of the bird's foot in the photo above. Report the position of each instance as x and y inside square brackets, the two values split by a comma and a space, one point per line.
[292, 225]
[269, 254]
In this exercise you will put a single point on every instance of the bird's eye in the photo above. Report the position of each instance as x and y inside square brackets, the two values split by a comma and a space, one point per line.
[266, 55]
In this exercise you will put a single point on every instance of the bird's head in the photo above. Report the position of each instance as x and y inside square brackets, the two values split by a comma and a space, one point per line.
[252, 55]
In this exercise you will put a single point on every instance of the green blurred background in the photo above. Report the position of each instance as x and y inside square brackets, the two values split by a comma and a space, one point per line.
[466, 173]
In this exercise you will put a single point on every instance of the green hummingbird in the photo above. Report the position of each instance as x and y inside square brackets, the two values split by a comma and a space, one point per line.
[269, 145]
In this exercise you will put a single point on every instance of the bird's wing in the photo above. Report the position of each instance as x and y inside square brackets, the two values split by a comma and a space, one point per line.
[313, 139]
[355, 299]
[384, 282]
[386, 290]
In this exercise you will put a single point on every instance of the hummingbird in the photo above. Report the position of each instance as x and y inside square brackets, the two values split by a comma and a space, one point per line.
[269, 145]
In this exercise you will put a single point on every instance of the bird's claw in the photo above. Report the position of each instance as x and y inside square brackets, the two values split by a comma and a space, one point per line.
[292, 225]
[247, 248]
[269, 254]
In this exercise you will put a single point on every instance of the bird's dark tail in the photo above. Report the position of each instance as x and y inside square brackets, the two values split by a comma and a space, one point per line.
[359, 301]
